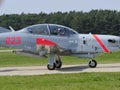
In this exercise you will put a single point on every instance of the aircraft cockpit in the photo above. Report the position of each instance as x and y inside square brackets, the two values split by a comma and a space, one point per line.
[41, 29]
[49, 29]
[60, 30]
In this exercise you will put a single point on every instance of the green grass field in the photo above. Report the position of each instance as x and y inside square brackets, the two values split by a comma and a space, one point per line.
[12, 59]
[81, 81]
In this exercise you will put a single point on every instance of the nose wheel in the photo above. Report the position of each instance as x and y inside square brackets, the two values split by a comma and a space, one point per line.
[92, 63]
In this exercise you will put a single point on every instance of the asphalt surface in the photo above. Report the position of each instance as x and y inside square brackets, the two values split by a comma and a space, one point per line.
[42, 70]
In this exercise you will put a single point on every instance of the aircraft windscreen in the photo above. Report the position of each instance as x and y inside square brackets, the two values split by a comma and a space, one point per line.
[61, 30]
[49, 29]
[37, 29]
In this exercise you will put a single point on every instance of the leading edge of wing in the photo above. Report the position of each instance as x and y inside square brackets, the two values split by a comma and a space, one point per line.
[45, 42]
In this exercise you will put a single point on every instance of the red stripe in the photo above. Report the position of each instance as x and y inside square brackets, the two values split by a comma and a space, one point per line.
[105, 49]
[42, 41]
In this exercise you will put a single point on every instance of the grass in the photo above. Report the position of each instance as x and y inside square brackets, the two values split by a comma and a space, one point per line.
[109, 58]
[12, 59]
[82, 81]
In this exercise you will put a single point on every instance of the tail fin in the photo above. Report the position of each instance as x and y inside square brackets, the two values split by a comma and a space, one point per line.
[4, 30]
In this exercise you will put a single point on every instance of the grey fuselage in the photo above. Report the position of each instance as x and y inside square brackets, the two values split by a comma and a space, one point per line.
[71, 43]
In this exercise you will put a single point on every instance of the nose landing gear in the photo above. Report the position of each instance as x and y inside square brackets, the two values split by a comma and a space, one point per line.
[92, 63]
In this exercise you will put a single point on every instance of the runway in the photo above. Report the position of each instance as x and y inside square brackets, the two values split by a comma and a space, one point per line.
[42, 70]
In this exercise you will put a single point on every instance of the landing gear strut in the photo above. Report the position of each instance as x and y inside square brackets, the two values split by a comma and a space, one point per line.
[92, 63]
[54, 62]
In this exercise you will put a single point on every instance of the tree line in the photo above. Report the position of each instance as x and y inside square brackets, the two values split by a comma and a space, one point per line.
[94, 21]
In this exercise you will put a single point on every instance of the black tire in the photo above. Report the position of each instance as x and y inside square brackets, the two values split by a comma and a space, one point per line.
[92, 64]
[58, 63]
[51, 67]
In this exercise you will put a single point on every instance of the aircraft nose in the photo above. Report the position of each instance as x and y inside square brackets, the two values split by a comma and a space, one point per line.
[119, 42]
[115, 41]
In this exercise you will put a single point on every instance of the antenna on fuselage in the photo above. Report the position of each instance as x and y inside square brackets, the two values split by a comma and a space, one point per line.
[11, 29]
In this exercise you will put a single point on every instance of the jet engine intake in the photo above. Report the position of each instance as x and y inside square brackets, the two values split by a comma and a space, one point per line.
[112, 41]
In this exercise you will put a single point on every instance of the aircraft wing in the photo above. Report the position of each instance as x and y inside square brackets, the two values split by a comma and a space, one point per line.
[4, 30]
[44, 44]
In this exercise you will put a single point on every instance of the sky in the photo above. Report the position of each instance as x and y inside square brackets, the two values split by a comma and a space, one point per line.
[48, 6]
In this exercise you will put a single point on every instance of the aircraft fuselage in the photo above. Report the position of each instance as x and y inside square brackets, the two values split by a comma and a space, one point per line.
[79, 45]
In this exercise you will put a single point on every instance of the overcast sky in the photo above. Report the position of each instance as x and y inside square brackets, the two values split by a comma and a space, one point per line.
[48, 6]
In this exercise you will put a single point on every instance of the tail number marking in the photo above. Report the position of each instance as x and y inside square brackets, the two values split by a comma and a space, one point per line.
[13, 40]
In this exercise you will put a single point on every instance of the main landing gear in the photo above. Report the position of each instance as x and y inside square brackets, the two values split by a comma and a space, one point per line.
[92, 63]
[54, 62]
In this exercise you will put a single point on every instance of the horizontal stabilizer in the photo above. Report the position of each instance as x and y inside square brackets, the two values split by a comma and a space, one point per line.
[30, 54]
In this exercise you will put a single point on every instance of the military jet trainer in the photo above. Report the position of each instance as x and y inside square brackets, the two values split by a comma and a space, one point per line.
[57, 40]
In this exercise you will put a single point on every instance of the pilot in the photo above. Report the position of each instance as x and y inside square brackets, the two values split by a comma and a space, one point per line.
[30, 30]
[60, 32]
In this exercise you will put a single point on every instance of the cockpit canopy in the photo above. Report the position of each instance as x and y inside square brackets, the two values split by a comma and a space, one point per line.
[49, 29]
